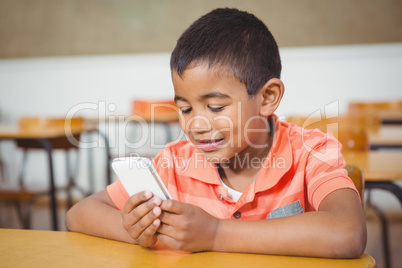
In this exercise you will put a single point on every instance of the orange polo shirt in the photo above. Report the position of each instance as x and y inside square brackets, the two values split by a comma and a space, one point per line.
[301, 169]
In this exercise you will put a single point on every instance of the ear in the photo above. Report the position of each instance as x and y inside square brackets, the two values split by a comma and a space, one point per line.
[271, 94]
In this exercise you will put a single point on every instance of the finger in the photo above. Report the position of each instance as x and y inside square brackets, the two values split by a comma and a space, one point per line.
[136, 200]
[169, 241]
[147, 237]
[167, 229]
[140, 227]
[173, 206]
[139, 212]
[169, 218]
[148, 219]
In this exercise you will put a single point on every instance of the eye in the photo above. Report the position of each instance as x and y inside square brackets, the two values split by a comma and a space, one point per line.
[216, 109]
[186, 111]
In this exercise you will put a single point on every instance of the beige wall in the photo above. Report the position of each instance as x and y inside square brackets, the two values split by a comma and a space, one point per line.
[37, 28]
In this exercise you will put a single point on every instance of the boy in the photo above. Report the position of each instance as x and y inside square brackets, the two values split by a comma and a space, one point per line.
[244, 182]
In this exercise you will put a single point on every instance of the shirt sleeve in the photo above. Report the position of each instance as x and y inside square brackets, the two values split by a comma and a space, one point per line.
[118, 194]
[325, 169]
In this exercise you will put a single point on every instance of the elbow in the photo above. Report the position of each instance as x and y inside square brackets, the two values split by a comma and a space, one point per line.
[352, 249]
[350, 244]
[70, 220]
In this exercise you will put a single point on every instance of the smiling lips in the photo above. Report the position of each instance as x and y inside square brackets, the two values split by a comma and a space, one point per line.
[208, 145]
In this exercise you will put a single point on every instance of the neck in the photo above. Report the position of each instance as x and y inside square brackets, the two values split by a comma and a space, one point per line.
[251, 158]
[246, 161]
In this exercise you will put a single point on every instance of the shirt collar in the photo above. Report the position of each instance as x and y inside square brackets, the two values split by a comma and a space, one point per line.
[279, 159]
[201, 169]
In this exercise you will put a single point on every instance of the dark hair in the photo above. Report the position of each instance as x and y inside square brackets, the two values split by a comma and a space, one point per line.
[233, 39]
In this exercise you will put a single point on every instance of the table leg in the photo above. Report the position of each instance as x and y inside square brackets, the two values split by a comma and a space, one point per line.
[53, 202]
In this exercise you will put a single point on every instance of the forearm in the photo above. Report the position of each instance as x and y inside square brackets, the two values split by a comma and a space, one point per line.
[298, 235]
[95, 217]
[337, 233]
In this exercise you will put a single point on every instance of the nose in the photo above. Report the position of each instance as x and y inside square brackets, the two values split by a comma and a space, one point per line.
[199, 124]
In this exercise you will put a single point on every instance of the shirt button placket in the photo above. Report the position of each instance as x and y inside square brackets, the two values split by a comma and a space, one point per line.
[237, 215]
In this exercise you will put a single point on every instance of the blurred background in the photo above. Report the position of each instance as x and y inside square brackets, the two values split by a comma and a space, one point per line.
[95, 58]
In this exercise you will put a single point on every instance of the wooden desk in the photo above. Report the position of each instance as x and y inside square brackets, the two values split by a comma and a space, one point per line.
[13, 132]
[380, 168]
[386, 116]
[24, 248]
[390, 117]
[44, 139]
[388, 136]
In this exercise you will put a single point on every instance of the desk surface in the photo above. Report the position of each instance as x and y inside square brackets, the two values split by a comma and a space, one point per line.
[160, 118]
[390, 116]
[381, 165]
[13, 132]
[387, 135]
[22, 248]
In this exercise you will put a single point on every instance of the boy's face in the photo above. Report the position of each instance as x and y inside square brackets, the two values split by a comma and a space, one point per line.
[218, 116]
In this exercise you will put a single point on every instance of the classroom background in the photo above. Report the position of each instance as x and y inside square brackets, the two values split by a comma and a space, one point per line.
[95, 58]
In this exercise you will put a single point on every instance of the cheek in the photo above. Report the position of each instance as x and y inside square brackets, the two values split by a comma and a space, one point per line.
[182, 123]
[185, 122]
[229, 127]
[255, 126]
[223, 124]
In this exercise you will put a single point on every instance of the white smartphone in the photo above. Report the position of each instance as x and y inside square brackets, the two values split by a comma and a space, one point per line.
[137, 174]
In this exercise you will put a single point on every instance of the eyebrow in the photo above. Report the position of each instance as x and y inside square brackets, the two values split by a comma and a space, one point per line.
[217, 95]
[178, 98]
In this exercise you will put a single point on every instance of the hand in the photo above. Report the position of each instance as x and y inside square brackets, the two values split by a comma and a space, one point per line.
[187, 227]
[140, 218]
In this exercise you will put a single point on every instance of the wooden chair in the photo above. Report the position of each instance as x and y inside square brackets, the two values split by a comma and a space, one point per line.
[353, 139]
[351, 131]
[366, 122]
[154, 112]
[356, 175]
[390, 112]
[24, 196]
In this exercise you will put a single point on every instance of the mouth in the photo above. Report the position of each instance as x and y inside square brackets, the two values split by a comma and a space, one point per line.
[209, 145]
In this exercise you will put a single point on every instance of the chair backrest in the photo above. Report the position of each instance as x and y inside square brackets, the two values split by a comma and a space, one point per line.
[356, 175]
[156, 110]
[356, 121]
[351, 131]
[353, 139]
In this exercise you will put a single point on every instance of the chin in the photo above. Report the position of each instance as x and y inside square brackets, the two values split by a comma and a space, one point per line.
[217, 157]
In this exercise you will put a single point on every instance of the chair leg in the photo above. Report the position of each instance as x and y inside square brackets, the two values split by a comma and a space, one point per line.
[21, 171]
[2, 170]
[90, 168]
[71, 176]
[108, 158]
[24, 211]
[70, 181]
[384, 231]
